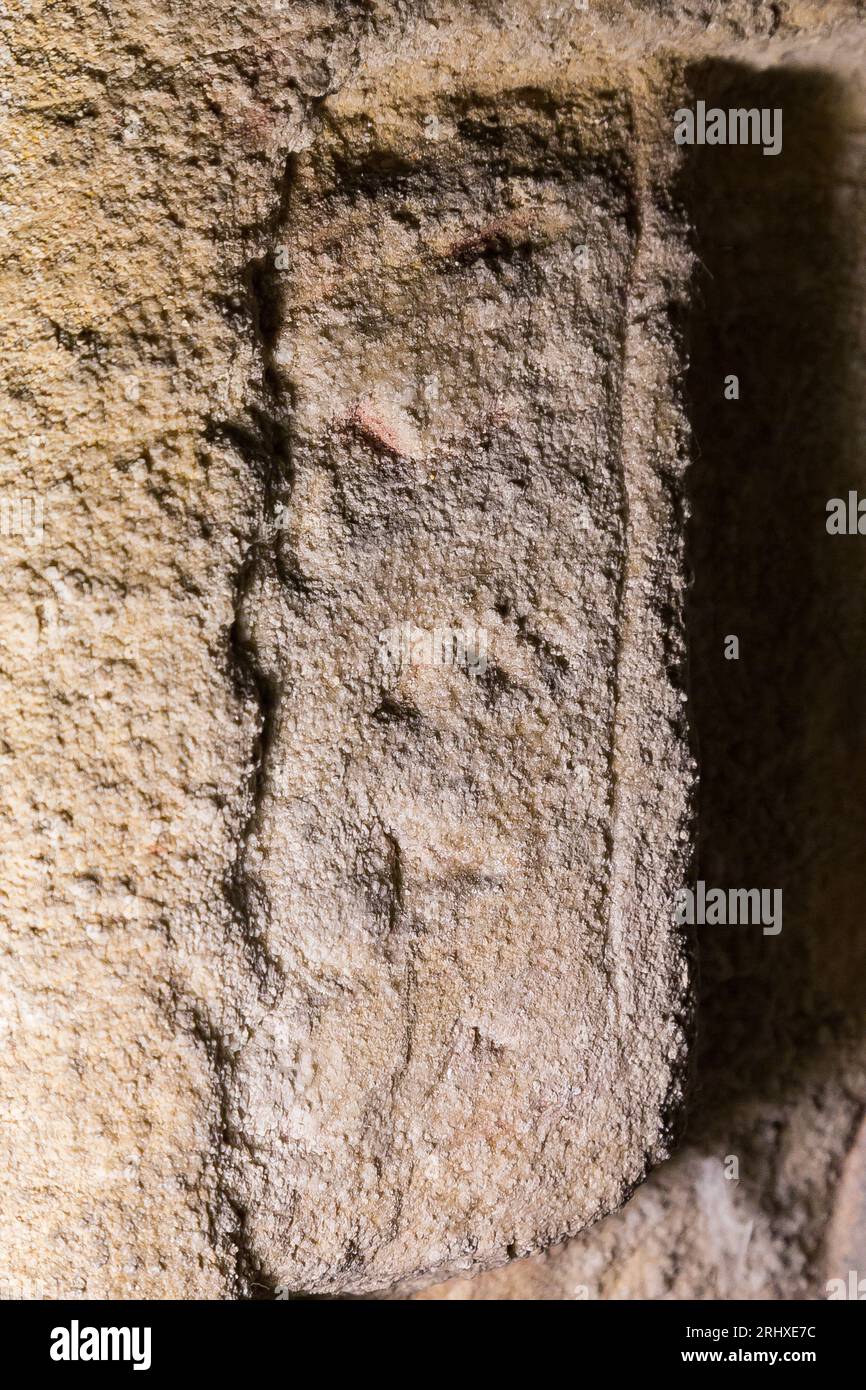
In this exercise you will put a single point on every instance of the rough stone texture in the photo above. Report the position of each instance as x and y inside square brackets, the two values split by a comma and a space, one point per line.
[781, 1066]
[464, 878]
[138, 171]
[173, 1016]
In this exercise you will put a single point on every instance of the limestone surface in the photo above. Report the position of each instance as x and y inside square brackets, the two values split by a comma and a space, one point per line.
[346, 772]
[472, 812]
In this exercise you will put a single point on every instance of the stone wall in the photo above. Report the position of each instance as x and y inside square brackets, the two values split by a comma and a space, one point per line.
[338, 945]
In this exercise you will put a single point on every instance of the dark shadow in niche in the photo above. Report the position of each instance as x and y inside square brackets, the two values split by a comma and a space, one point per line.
[781, 733]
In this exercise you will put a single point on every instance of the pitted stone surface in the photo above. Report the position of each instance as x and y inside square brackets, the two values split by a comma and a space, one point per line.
[322, 970]
[453, 1061]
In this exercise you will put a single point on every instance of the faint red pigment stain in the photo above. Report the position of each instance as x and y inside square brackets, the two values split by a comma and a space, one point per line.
[376, 431]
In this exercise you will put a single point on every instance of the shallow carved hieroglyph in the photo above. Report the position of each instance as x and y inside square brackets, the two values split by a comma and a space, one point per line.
[475, 1043]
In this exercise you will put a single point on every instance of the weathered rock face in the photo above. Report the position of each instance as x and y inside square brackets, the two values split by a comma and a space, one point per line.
[346, 784]
[762, 1200]
[141, 157]
[476, 1041]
